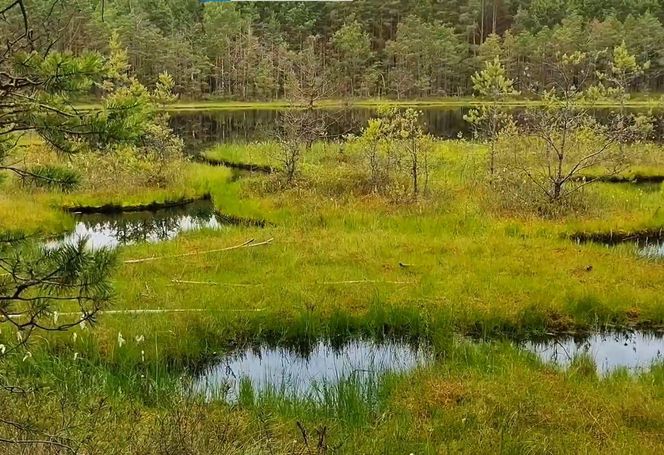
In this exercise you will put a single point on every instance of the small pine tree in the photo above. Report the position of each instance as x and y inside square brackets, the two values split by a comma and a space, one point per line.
[494, 87]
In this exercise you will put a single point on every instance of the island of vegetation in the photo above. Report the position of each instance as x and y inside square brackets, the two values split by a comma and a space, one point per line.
[142, 268]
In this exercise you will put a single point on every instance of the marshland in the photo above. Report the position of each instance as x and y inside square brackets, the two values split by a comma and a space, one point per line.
[383, 251]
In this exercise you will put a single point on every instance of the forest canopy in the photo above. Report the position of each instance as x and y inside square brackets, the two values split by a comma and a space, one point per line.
[368, 48]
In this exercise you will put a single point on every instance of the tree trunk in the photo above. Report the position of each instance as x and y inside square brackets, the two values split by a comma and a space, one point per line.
[413, 151]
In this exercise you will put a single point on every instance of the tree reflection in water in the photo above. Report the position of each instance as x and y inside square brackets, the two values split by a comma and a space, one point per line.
[113, 230]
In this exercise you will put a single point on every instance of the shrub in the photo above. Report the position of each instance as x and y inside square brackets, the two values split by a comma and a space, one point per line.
[395, 153]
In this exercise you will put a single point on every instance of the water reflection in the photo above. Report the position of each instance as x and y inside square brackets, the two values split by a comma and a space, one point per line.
[652, 251]
[647, 243]
[635, 351]
[297, 374]
[201, 128]
[113, 230]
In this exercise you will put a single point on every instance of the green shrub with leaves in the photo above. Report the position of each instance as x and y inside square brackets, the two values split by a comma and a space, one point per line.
[542, 160]
[396, 153]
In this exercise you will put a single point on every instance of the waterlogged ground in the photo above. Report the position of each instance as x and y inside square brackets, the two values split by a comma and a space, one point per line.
[643, 245]
[296, 374]
[655, 251]
[316, 371]
[633, 351]
[334, 262]
[111, 230]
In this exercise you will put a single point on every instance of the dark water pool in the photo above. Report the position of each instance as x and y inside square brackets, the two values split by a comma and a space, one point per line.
[203, 128]
[647, 244]
[296, 374]
[635, 351]
[116, 229]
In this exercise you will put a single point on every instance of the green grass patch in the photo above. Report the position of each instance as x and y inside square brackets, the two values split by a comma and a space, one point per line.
[344, 264]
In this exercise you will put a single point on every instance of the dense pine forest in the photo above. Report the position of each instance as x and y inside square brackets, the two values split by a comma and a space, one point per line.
[399, 49]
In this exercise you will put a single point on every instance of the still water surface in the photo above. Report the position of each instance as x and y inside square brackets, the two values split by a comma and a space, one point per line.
[635, 351]
[201, 129]
[298, 374]
[291, 373]
[117, 229]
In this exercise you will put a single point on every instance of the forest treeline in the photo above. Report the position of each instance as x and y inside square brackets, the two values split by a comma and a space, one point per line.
[365, 48]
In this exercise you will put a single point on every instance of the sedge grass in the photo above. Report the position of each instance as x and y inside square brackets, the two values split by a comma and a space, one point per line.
[475, 398]
[449, 260]
[346, 264]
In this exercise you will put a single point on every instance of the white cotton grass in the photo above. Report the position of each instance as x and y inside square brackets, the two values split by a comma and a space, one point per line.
[121, 340]
[3, 349]
[28, 355]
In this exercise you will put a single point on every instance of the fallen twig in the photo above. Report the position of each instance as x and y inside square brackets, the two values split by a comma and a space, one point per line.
[35, 442]
[365, 282]
[248, 244]
[214, 283]
[166, 310]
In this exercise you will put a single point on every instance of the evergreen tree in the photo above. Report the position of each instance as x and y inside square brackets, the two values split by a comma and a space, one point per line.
[37, 86]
